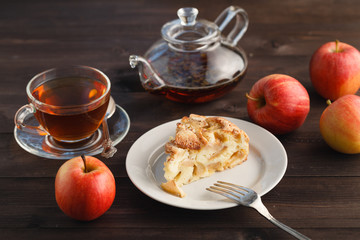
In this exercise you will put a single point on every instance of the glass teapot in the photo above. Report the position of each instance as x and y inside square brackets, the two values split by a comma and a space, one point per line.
[194, 62]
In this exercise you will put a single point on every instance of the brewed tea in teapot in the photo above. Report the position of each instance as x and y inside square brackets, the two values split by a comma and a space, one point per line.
[193, 62]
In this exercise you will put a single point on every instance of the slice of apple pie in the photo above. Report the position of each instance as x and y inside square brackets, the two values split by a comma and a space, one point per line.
[202, 146]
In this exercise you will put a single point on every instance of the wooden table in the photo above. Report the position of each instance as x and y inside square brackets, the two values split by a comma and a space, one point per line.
[319, 194]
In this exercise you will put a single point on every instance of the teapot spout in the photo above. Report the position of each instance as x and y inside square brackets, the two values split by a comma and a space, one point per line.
[134, 60]
[148, 76]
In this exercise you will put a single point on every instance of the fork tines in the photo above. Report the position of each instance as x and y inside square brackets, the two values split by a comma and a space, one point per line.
[249, 198]
[229, 190]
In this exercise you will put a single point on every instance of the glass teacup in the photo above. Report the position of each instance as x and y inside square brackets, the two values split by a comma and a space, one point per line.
[69, 103]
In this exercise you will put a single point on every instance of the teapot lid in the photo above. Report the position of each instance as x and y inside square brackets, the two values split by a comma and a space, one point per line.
[187, 33]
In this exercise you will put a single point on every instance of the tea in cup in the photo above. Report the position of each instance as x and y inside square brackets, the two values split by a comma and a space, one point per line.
[69, 103]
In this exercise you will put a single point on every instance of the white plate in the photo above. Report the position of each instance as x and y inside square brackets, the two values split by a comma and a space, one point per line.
[266, 165]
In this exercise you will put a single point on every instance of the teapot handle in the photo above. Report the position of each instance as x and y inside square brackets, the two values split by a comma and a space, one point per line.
[240, 26]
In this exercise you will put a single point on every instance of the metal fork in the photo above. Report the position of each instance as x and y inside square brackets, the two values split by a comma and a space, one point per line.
[249, 198]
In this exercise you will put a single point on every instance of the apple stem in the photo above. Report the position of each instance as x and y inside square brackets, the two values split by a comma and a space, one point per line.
[84, 160]
[251, 98]
[336, 46]
[328, 102]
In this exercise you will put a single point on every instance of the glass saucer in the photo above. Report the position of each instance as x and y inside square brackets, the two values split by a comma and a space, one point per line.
[47, 147]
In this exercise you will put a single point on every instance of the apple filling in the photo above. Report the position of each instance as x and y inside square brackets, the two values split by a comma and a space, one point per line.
[202, 146]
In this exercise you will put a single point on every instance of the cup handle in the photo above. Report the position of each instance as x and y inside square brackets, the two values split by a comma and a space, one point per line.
[20, 117]
[240, 26]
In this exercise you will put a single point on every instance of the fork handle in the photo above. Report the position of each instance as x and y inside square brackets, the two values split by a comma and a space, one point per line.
[263, 211]
[288, 229]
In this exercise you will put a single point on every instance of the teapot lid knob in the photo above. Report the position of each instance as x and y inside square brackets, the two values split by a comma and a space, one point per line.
[187, 16]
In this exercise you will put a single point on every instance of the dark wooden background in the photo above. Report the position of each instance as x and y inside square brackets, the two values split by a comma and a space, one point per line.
[319, 194]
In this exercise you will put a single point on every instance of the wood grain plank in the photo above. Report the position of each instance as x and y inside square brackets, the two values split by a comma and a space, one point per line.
[319, 194]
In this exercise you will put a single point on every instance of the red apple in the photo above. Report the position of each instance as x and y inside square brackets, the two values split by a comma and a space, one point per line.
[340, 124]
[279, 103]
[84, 188]
[335, 70]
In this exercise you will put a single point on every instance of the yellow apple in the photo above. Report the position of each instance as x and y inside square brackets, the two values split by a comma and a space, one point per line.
[340, 124]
